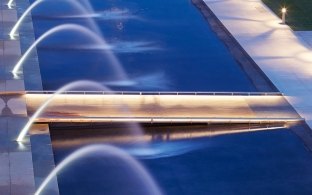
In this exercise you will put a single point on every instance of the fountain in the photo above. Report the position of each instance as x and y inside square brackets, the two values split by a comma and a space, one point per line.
[74, 3]
[21, 19]
[68, 87]
[105, 15]
[86, 3]
[10, 4]
[113, 61]
[73, 85]
[154, 81]
[148, 184]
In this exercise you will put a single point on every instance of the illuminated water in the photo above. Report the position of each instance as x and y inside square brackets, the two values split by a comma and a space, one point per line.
[143, 183]
[167, 42]
[82, 84]
[264, 162]
[92, 39]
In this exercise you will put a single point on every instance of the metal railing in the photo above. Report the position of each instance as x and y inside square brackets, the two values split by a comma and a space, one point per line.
[208, 120]
[160, 93]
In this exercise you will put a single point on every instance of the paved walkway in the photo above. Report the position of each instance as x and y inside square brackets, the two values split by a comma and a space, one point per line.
[16, 166]
[274, 47]
[23, 166]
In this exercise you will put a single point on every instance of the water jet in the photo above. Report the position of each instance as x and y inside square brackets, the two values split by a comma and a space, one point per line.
[70, 86]
[74, 3]
[149, 185]
[113, 61]
[136, 130]
[10, 4]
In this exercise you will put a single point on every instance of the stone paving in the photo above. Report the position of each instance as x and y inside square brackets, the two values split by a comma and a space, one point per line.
[22, 167]
[16, 167]
[274, 47]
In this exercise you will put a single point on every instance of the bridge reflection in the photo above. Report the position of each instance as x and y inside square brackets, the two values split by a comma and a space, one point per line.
[73, 135]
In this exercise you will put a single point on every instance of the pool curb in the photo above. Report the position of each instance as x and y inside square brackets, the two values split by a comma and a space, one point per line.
[253, 71]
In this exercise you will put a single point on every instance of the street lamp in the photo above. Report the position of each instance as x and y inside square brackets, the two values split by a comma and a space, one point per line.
[284, 10]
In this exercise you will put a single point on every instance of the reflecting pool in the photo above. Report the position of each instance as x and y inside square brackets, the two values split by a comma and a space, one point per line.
[162, 45]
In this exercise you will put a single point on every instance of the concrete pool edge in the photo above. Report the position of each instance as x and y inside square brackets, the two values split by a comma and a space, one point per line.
[39, 138]
[21, 168]
[251, 69]
[15, 178]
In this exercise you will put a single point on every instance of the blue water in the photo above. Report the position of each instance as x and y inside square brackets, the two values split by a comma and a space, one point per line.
[162, 46]
[166, 45]
[271, 162]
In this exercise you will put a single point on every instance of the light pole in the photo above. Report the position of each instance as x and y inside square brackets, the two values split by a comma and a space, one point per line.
[284, 10]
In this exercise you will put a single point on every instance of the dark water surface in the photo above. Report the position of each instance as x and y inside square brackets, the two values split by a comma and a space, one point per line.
[162, 46]
[268, 162]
